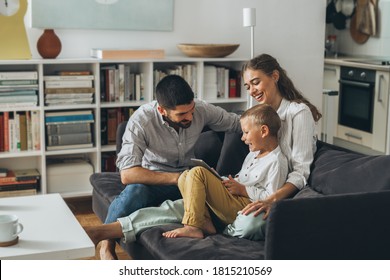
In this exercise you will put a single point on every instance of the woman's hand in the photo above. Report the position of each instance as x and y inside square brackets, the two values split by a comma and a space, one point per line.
[287, 190]
[258, 207]
[234, 187]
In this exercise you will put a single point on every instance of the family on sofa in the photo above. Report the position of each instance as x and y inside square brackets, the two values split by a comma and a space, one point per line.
[159, 142]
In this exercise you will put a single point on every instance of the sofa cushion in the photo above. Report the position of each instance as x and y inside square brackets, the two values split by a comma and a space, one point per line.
[106, 186]
[339, 172]
[213, 247]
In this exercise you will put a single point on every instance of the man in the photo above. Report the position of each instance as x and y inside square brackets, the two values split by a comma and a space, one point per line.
[157, 146]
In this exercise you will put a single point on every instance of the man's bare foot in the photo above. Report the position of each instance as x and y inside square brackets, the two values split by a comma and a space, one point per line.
[93, 234]
[107, 250]
[186, 231]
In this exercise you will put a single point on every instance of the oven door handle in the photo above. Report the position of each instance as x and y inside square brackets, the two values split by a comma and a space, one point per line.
[352, 83]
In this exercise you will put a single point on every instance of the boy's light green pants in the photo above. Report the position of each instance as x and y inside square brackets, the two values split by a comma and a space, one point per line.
[169, 212]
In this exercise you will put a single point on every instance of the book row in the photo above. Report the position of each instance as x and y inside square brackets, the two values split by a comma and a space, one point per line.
[110, 119]
[119, 83]
[221, 82]
[19, 131]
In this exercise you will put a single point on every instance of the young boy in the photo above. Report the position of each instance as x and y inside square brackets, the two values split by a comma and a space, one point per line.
[264, 170]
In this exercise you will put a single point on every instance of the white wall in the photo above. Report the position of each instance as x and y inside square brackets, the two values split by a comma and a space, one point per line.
[292, 31]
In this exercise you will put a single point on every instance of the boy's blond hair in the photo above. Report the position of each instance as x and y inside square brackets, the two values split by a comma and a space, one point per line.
[264, 114]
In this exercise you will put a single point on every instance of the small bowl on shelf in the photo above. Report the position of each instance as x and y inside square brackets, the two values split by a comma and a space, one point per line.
[207, 50]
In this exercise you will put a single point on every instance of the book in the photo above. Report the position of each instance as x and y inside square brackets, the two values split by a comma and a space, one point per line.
[68, 77]
[12, 193]
[35, 130]
[65, 147]
[69, 139]
[19, 75]
[1, 132]
[18, 82]
[51, 102]
[14, 92]
[73, 73]
[27, 174]
[6, 131]
[67, 128]
[68, 113]
[18, 98]
[121, 81]
[72, 118]
[14, 183]
[69, 90]
[18, 87]
[17, 131]
[112, 124]
[69, 84]
[23, 131]
[23, 185]
[127, 53]
[68, 95]
[18, 105]
[10, 177]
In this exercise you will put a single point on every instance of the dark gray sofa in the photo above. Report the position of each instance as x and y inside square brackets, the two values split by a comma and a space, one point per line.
[344, 213]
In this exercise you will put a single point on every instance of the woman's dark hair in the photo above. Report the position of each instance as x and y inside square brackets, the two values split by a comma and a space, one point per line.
[268, 65]
[172, 91]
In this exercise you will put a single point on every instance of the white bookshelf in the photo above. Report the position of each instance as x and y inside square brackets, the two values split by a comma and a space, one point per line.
[39, 159]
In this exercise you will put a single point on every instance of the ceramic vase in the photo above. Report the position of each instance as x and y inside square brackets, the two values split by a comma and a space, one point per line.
[49, 45]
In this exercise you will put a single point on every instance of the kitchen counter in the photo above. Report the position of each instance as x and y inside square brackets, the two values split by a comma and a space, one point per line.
[359, 62]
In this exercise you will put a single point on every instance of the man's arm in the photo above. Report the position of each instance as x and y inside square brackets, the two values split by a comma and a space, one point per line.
[140, 175]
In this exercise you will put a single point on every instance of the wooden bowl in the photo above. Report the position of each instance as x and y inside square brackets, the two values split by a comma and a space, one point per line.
[207, 50]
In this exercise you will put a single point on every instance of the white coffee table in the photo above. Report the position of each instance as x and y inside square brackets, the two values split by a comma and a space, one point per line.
[51, 231]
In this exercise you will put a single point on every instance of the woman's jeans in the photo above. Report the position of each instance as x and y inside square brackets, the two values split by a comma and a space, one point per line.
[137, 196]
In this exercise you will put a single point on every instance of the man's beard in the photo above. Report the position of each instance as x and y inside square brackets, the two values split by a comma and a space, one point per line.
[177, 124]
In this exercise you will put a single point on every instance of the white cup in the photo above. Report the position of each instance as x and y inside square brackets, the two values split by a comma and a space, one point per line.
[9, 228]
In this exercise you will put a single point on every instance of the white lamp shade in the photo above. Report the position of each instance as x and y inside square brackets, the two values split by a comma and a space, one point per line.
[249, 16]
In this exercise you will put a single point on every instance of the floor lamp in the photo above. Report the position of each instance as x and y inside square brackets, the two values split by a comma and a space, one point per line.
[249, 16]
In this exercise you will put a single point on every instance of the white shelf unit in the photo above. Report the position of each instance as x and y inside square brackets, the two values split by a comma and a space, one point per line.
[39, 159]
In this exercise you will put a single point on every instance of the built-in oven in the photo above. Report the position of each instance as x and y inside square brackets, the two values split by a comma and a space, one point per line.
[356, 99]
[363, 110]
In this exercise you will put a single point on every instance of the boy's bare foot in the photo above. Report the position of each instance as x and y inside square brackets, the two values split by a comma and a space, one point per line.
[208, 227]
[107, 250]
[186, 231]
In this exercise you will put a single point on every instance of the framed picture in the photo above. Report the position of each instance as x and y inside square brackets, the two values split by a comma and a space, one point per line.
[152, 15]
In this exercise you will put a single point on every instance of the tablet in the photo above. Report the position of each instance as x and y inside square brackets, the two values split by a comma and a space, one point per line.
[199, 162]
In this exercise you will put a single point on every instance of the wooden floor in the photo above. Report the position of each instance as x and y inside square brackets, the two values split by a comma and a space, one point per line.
[82, 209]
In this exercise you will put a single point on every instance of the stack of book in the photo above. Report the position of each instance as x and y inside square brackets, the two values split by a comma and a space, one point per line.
[18, 89]
[69, 129]
[187, 71]
[221, 82]
[118, 83]
[19, 182]
[20, 131]
[69, 87]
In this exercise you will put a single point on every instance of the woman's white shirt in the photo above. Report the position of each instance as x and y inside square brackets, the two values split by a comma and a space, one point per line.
[297, 140]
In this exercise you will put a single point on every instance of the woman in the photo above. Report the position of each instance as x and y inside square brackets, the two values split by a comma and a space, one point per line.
[267, 82]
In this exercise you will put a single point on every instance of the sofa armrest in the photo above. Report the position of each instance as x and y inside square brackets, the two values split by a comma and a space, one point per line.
[349, 226]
